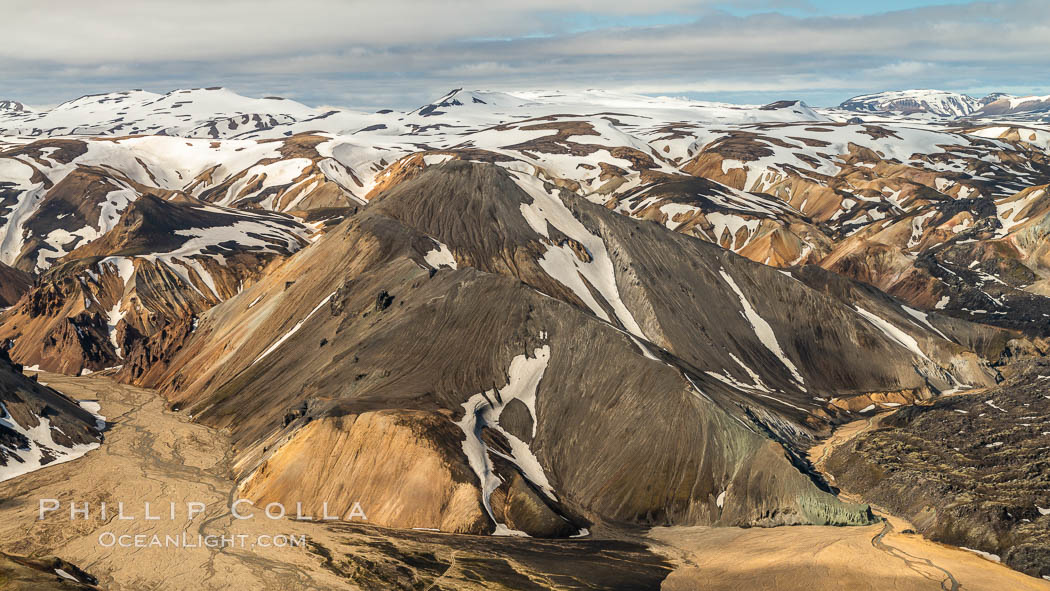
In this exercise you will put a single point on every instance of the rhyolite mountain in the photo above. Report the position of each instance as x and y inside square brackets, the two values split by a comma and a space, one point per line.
[582, 325]
[539, 312]
[901, 206]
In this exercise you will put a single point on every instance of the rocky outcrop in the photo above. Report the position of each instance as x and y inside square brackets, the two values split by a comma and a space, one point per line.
[40, 426]
[968, 470]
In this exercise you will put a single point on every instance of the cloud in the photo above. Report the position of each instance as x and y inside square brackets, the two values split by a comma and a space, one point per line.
[408, 51]
[903, 69]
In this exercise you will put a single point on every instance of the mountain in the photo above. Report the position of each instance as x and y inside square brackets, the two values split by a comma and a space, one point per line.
[910, 102]
[558, 287]
[40, 426]
[551, 290]
[196, 112]
[460, 98]
[1014, 105]
[162, 263]
[949, 105]
[62, 193]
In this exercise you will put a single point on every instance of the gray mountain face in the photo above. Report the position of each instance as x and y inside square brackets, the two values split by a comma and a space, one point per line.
[518, 331]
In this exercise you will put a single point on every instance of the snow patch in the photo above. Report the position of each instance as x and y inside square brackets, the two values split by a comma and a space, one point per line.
[483, 410]
[440, 257]
[983, 554]
[763, 331]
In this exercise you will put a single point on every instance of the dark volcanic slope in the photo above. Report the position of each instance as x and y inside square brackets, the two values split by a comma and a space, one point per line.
[971, 470]
[616, 371]
[68, 430]
[378, 559]
[19, 573]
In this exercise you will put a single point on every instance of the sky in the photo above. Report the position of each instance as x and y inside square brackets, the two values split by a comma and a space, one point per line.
[404, 53]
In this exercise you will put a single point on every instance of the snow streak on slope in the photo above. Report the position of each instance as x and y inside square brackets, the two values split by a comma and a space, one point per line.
[895, 334]
[561, 263]
[19, 176]
[291, 331]
[924, 318]
[483, 411]
[113, 317]
[763, 331]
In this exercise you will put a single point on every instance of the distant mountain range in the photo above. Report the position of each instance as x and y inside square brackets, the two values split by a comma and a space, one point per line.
[220, 113]
[950, 104]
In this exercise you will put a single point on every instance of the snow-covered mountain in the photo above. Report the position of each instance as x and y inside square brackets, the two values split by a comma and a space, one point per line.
[908, 102]
[1015, 105]
[187, 112]
[939, 105]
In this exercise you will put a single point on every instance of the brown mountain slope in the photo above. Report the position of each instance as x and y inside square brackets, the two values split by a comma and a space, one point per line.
[372, 358]
[13, 283]
[164, 262]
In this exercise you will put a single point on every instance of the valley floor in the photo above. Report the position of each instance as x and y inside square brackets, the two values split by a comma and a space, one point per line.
[151, 454]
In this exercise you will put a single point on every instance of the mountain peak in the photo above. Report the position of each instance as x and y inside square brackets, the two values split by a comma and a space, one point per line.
[459, 97]
[915, 101]
[12, 106]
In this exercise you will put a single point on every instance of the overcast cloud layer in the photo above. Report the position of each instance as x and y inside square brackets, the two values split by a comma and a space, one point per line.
[401, 53]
